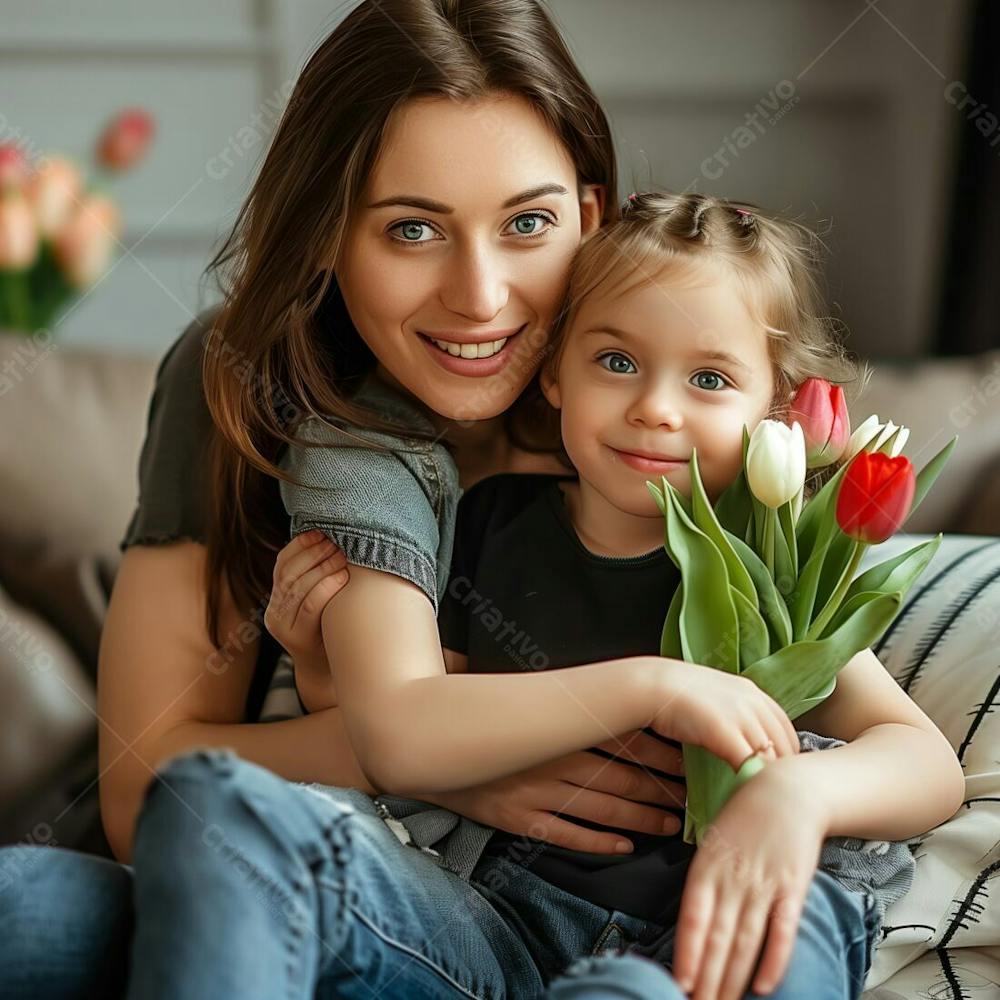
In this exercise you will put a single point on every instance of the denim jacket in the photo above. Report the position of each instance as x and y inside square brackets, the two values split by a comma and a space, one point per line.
[388, 510]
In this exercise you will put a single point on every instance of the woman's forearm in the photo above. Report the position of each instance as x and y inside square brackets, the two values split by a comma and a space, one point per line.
[436, 734]
[313, 748]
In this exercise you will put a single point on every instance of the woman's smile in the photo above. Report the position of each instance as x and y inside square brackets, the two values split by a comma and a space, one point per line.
[473, 354]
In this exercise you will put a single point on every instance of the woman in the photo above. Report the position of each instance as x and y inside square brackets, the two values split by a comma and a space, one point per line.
[184, 658]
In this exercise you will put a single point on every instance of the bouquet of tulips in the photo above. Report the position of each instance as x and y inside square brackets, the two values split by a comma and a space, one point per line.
[56, 236]
[768, 587]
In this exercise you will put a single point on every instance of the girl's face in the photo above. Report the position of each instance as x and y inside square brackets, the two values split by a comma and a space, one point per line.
[458, 255]
[654, 371]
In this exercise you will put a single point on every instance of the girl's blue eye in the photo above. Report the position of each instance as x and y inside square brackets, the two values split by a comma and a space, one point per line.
[617, 363]
[710, 375]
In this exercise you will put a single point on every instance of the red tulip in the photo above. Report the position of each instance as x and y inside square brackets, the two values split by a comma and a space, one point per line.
[875, 496]
[822, 411]
[125, 139]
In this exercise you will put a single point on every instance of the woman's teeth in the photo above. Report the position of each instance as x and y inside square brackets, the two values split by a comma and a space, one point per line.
[471, 351]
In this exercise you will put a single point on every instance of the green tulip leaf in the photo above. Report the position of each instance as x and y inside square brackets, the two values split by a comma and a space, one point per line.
[930, 472]
[787, 525]
[704, 517]
[734, 509]
[755, 641]
[898, 573]
[670, 639]
[818, 516]
[770, 602]
[803, 599]
[799, 672]
[708, 625]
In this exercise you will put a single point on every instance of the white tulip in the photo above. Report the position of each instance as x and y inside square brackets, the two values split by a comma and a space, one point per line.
[864, 434]
[883, 439]
[776, 462]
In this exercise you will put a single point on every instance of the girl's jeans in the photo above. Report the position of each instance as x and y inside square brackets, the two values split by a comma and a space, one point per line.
[247, 886]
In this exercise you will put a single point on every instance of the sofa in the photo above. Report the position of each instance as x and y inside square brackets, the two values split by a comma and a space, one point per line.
[72, 421]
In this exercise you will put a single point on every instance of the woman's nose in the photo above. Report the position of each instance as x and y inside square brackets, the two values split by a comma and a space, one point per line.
[476, 286]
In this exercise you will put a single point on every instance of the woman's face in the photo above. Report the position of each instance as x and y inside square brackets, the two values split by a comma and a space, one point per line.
[458, 255]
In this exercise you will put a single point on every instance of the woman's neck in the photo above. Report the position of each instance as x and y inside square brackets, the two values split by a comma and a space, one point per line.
[480, 448]
[607, 530]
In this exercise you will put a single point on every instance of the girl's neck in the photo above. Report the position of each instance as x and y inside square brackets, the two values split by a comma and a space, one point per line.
[607, 530]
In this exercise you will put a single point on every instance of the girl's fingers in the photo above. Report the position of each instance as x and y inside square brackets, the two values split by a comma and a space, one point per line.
[334, 576]
[693, 924]
[782, 930]
[717, 944]
[747, 942]
[786, 741]
[300, 543]
[611, 810]
[288, 568]
[563, 833]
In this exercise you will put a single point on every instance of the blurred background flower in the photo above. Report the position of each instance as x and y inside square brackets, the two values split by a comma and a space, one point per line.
[57, 232]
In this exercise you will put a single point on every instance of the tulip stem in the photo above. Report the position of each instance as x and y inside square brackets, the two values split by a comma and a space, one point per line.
[770, 517]
[831, 607]
[17, 299]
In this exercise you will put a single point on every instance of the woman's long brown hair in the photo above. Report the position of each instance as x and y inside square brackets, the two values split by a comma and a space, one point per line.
[282, 345]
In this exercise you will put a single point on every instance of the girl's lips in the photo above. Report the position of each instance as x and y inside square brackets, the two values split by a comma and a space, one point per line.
[647, 464]
[474, 367]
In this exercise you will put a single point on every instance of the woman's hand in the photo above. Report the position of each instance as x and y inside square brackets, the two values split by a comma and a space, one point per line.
[308, 572]
[587, 786]
[748, 882]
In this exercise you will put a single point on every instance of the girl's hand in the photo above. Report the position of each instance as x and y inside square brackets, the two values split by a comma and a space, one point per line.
[725, 713]
[308, 571]
[584, 785]
[748, 881]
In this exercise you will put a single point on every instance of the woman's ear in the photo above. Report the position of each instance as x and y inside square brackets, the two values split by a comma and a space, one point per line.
[550, 387]
[592, 198]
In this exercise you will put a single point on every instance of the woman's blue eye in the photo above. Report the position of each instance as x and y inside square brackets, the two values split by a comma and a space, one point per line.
[524, 224]
[617, 363]
[710, 375]
[411, 231]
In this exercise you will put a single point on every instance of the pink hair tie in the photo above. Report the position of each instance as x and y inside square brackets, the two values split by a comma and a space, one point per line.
[742, 211]
[633, 196]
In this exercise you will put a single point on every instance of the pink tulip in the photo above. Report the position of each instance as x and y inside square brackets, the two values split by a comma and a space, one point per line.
[13, 169]
[822, 411]
[125, 139]
[53, 191]
[18, 233]
[84, 245]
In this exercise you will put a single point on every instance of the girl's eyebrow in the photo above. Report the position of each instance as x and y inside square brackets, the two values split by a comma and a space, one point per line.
[708, 355]
[429, 205]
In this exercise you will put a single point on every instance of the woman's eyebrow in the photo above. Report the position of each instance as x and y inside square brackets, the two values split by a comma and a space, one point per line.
[429, 205]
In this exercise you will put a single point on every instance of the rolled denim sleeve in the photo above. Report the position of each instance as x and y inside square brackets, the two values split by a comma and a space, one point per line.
[390, 510]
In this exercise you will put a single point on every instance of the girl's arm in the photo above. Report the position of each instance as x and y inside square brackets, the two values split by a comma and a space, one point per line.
[416, 728]
[163, 688]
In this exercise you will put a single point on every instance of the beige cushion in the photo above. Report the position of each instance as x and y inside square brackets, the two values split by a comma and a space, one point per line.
[937, 399]
[48, 703]
[72, 422]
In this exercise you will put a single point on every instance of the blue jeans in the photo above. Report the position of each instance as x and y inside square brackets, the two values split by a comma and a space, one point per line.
[247, 886]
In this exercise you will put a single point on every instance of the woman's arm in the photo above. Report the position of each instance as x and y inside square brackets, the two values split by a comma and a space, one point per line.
[163, 688]
[416, 728]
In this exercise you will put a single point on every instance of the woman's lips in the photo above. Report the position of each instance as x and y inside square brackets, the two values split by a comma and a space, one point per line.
[643, 464]
[474, 367]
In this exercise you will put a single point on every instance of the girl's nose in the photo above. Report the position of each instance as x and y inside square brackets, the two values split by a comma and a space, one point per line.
[655, 408]
[475, 286]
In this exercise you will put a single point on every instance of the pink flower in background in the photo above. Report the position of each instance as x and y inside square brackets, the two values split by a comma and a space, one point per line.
[83, 247]
[125, 139]
[13, 168]
[822, 411]
[18, 233]
[53, 191]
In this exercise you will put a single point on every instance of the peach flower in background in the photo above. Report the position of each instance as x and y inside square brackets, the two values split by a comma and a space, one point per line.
[18, 233]
[125, 139]
[84, 245]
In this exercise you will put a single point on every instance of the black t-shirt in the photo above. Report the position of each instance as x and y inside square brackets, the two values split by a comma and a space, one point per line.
[525, 594]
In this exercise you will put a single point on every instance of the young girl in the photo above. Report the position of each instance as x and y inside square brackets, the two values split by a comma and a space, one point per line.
[686, 320]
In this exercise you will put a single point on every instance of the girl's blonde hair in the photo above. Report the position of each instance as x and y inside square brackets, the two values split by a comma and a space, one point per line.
[775, 262]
